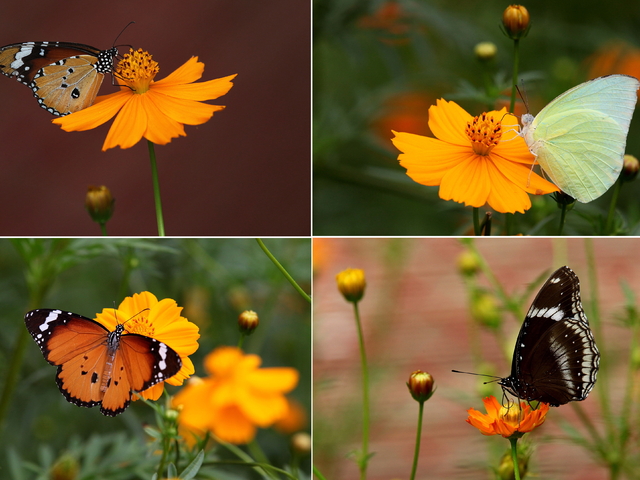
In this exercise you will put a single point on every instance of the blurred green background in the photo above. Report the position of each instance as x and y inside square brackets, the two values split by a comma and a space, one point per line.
[213, 279]
[379, 65]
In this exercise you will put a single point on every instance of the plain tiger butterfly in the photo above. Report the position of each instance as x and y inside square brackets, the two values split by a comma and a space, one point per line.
[64, 77]
[97, 366]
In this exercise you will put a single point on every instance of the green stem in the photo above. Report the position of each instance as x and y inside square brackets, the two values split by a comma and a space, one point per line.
[476, 221]
[364, 458]
[103, 229]
[612, 208]
[563, 216]
[318, 473]
[156, 188]
[514, 79]
[282, 269]
[514, 457]
[416, 452]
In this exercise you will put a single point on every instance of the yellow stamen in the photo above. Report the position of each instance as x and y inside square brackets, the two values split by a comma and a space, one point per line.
[140, 324]
[511, 414]
[137, 69]
[484, 133]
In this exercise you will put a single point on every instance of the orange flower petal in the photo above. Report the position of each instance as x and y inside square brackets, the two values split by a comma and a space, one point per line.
[160, 128]
[95, 115]
[129, 125]
[184, 111]
[200, 91]
[524, 177]
[232, 426]
[506, 196]
[273, 380]
[188, 72]
[447, 121]
[467, 183]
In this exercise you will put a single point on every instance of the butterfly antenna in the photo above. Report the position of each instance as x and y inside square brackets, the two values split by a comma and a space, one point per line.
[134, 316]
[480, 375]
[127, 26]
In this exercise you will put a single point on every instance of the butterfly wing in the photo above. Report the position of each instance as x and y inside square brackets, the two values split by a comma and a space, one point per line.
[64, 77]
[140, 363]
[77, 345]
[579, 138]
[555, 359]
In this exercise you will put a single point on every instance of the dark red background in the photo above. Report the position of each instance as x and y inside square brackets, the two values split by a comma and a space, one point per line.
[245, 172]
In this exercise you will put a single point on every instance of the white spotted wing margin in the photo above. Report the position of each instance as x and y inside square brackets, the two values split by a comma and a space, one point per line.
[555, 359]
[97, 366]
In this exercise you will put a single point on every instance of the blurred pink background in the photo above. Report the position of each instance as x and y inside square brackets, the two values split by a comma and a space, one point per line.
[415, 315]
[245, 172]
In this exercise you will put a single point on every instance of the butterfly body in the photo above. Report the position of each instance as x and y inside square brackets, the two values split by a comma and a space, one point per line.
[555, 360]
[64, 77]
[97, 366]
[579, 138]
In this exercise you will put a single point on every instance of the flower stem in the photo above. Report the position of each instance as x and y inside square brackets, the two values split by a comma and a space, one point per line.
[612, 208]
[103, 229]
[514, 457]
[282, 269]
[563, 216]
[156, 188]
[418, 436]
[476, 222]
[364, 456]
[514, 79]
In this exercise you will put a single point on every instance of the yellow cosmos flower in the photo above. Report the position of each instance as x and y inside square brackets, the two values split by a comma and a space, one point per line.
[145, 315]
[516, 419]
[237, 397]
[475, 160]
[145, 108]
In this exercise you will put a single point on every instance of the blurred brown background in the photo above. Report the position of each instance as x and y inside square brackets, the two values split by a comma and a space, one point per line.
[415, 315]
[245, 172]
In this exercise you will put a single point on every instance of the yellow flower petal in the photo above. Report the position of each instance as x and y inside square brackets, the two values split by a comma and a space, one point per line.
[129, 125]
[209, 90]
[94, 116]
[188, 72]
[467, 182]
[188, 112]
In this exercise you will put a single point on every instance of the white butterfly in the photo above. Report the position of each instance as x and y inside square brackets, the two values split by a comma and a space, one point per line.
[579, 138]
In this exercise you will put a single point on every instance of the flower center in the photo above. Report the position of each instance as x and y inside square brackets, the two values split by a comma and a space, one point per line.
[484, 133]
[140, 324]
[137, 69]
[512, 414]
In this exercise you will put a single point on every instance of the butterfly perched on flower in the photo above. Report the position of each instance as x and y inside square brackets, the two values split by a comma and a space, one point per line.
[64, 77]
[555, 360]
[97, 366]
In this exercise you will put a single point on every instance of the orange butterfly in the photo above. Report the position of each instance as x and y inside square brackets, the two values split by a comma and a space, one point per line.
[65, 77]
[97, 366]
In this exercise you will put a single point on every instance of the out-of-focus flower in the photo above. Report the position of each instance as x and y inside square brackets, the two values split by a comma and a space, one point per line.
[390, 21]
[630, 168]
[404, 112]
[485, 51]
[513, 420]
[615, 57]
[145, 315]
[473, 160]
[294, 420]
[351, 283]
[236, 397]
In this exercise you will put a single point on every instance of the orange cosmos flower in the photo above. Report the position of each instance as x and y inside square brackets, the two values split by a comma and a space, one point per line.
[237, 397]
[517, 419]
[473, 159]
[143, 314]
[145, 108]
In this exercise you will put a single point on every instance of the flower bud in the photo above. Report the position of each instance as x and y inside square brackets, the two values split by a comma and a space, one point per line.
[351, 283]
[630, 168]
[99, 204]
[485, 310]
[515, 19]
[485, 51]
[248, 321]
[420, 386]
[65, 468]
[468, 263]
[301, 443]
